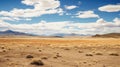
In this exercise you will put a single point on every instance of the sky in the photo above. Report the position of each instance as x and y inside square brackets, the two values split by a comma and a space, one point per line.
[50, 17]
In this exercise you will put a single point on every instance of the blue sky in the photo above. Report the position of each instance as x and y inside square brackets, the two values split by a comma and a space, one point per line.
[28, 12]
[83, 5]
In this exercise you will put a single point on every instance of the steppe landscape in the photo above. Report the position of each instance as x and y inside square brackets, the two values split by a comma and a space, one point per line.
[59, 33]
[59, 52]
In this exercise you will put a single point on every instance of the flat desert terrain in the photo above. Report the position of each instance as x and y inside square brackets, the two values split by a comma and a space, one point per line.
[59, 52]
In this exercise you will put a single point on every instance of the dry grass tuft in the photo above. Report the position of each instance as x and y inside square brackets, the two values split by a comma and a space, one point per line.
[45, 58]
[29, 56]
[114, 54]
[66, 49]
[98, 54]
[55, 57]
[89, 55]
[37, 63]
[40, 50]
[2, 47]
[80, 51]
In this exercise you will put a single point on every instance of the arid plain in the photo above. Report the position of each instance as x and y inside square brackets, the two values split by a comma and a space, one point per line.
[59, 52]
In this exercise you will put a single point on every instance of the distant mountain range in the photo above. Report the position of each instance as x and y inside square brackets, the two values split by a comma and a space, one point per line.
[70, 34]
[10, 32]
[109, 35]
[16, 33]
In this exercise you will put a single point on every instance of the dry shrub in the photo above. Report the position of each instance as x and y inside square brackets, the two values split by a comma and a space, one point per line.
[80, 51]
[114, 54]
[40, 50]
[55, 57]
[89, 55]
[29, 56]
[99, 54]
[66, 49]
[2, 47]
[44, 58]
[37, 63]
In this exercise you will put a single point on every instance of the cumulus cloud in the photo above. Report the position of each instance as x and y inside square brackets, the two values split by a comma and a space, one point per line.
[87, 14]
[117, 21]
[6, 18]
[10, 18]
[101, 21]
[70, 7]
[4, 25]
[67, 27]
[110, 8]
[41, 7]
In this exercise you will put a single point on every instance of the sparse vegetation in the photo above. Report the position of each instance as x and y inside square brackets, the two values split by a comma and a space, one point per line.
[28, 46]
[66, 49]
[55, 57]
[89, 55]
[44, 58]
[62, 53]
[4, 50]
[58, 55]
[2, 47]
[29, 56]
[84, 62]
[114, 54]
[40, 50]
[80, 51]
[37, 63]
[98, 54]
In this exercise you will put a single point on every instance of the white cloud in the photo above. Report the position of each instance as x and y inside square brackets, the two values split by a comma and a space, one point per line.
[117, 21]
[110, 8]
[67, 27]
[101, 21]
[10, 18]
[6, 18]
[87, 14]
[4, 25]
[1, 21]
[70, 7]
[41, 7]
[28, 19]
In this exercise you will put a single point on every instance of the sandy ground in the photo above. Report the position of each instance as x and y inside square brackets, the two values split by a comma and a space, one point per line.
[60, 52]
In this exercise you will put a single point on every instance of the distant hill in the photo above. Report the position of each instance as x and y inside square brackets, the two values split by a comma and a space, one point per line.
[109, 35]
[13, 33]
[70, 34]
